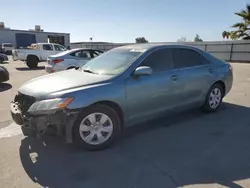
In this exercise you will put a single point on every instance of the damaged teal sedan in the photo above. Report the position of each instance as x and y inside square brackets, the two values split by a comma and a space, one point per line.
[125, 86]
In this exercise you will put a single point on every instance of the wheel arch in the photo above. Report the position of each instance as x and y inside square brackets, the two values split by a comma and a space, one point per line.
[222, 85]
[114, 106]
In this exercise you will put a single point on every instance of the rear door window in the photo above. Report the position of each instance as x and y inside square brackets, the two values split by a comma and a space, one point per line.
[159, 60]
[82, 54]
[187, 58]
[95, 53]
[48, 47]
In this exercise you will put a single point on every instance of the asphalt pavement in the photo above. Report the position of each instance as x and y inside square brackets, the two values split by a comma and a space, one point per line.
[192, 149]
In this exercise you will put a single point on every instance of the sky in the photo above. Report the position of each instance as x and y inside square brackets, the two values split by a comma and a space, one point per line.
[124, 20]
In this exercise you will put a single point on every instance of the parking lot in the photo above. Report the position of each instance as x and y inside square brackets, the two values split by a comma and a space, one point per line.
[190, 150]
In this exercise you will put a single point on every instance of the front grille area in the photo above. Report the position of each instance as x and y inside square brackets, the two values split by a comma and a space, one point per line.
[24, 101]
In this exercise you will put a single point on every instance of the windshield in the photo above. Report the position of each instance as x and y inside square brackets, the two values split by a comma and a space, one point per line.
[113, 62]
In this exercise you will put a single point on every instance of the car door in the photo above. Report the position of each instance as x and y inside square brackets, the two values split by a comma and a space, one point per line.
[197, 75]
[150, 95]
[47, 50]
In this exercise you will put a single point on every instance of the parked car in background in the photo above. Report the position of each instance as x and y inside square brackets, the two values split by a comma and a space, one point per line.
[37, 53]
[124, 86]
[7, 48]
[4, 74]
[70, 59]
[3, 58]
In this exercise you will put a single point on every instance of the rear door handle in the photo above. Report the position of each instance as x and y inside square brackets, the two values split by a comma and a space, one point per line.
[174, 77]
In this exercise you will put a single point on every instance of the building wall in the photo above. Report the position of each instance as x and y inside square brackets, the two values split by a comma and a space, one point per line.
[238, 50]
[9, 36]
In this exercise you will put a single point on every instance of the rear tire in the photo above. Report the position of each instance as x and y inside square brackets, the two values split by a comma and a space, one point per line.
[214, 98]
[32, 62]
[96, 128]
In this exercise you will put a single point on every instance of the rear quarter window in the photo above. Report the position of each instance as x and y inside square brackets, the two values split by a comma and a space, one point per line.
[188, 58]
[214, 59]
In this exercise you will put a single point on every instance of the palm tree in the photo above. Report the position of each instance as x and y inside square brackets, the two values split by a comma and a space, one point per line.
[243, 28]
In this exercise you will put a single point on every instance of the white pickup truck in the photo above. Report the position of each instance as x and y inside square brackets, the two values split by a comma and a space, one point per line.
[37, 53]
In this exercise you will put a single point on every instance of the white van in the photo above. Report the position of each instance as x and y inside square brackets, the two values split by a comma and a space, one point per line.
[7, 48]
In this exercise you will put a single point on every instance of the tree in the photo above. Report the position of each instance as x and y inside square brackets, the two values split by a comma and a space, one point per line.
[182, 39]
[197, 38]
[140, 40]
[242, 28]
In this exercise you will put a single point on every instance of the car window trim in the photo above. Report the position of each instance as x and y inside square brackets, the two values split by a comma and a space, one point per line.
[172, 47]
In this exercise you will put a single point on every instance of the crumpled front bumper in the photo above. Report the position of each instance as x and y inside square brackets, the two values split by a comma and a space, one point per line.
[59, 123]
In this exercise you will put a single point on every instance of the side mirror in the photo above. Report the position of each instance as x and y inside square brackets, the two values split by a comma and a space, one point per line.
[144, 70]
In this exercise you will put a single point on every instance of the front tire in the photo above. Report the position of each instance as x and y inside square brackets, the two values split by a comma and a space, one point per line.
[32, 62]
[96, 128]
[213, 98]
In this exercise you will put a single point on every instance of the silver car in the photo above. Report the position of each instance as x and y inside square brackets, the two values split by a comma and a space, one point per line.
[122, 87]
[70, 59]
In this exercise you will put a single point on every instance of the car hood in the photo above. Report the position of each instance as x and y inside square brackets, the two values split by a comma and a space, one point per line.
[55, 82]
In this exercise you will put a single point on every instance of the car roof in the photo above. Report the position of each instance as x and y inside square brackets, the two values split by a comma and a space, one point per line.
[150, 46]
[76, 49]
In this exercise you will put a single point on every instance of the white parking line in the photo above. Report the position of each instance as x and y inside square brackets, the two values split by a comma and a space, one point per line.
[10, 131]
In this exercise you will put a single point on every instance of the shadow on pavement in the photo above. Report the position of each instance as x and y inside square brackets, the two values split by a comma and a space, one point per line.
[194, 149]
[30, 69]
[5, 87]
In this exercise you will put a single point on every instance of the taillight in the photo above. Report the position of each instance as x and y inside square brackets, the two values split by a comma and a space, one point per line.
[57, 60]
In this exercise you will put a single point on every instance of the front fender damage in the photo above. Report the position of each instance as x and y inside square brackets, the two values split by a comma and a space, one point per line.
[59, 123]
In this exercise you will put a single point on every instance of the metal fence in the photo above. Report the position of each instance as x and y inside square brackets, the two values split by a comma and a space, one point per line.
[227, 50]
[104, 47]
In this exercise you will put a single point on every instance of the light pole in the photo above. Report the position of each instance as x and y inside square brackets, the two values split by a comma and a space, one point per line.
[91, 38]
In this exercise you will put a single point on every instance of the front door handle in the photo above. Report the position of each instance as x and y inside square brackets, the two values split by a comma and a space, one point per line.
[174, 77]
[210, 70]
